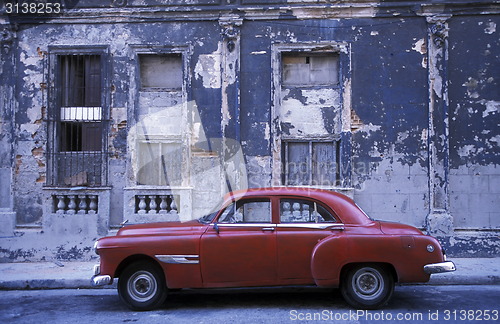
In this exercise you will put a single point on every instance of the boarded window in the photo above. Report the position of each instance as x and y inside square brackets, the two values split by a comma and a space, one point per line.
[161, 71]
[160, 164]
[309, 69]
[77, 148]
[310, 163]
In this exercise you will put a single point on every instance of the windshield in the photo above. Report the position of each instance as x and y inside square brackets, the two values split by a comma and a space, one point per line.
[207, 218]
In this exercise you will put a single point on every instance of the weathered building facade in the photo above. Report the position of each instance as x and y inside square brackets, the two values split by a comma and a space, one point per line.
[150, 110]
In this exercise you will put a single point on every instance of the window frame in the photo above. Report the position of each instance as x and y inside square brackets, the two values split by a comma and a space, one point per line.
[245, 201]
[336, 144]
[158, 54]
[185, 53]
[343, 49]
[57, 171]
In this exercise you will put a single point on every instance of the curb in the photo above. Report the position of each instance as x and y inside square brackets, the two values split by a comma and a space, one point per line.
[41, 284]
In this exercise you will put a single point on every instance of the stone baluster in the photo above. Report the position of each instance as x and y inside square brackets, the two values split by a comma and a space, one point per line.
[296, 211]
[306, 213]
[173, 206]
[142, 204]
[71, 204]
[61, 205]
[286, 213]
[152, 205]
[82, 204]
[93, 204]
[163, 204]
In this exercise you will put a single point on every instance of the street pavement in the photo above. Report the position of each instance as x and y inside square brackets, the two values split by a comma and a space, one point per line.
[72, 275]
[410, 304]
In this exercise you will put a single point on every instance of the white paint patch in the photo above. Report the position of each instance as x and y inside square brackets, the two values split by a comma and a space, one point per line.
[420, 46]
[492, 107]
[305, 114]
[424, 136]
[305, 119]
[258, 53]
[492, 27]
[402, 136]
[466, 150]
[496, 139]
[367, 128]
[208, 68]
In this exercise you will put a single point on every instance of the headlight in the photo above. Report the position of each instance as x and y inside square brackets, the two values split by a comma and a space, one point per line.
[430, 248]
[95, 248]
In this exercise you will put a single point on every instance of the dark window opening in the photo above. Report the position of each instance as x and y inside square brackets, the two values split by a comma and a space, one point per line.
[80, 80]
[81, 136]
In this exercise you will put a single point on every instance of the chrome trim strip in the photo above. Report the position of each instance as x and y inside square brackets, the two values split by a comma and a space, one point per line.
[179, 258]
[332, 226]
[440, 267]
[101, 280]
[244, 224]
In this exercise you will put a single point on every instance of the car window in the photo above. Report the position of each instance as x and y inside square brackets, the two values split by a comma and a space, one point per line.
[303, 211]
[247, 211]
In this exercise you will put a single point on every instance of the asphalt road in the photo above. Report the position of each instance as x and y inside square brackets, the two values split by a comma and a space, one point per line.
[411, 304]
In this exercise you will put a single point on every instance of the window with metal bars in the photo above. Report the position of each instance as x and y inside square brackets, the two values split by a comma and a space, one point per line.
[311, 163]
[77, 124]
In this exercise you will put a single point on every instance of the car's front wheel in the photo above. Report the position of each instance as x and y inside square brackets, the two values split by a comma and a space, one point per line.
[141, 286]
[367, 286]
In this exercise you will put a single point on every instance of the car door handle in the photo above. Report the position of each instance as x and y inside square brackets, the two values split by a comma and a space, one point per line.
[268, 229]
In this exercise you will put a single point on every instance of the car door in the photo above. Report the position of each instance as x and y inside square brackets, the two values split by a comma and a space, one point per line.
[239, 249]
[303, 223]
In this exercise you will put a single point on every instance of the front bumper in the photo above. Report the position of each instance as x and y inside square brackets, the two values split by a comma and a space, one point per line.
[447, 266]
[100, 280]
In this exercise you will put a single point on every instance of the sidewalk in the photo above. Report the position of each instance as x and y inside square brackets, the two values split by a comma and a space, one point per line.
[73, 275]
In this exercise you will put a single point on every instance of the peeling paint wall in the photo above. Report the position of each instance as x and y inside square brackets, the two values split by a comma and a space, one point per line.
[415, 111]
[474, 122]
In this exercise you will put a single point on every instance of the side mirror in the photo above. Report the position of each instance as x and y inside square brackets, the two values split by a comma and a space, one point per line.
[216, 228]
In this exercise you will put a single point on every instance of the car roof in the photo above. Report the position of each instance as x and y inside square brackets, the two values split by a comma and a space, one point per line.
[342, 205]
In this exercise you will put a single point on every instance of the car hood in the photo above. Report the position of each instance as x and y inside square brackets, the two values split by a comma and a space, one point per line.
[397, 228]
[162, 228]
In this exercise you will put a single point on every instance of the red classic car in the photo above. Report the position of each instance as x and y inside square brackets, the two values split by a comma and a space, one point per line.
[270, 237]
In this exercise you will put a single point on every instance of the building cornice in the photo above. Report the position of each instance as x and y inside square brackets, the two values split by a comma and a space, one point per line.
[129, 12]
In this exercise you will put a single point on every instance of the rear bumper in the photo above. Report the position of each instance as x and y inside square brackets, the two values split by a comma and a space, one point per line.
[100, 280]
[447, 266]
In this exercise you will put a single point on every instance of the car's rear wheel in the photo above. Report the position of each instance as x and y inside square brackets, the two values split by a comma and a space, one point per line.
[141, 286]
[367, 286]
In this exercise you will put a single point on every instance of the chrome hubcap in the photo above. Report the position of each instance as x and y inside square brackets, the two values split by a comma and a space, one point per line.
[142, 286]
[368, 283]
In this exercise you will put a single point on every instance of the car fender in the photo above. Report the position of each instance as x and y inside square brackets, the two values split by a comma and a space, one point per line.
[328, 258]
[177, 255]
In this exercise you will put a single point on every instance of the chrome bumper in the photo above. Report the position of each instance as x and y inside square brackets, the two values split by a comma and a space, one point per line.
[100, 280]
[447, 266]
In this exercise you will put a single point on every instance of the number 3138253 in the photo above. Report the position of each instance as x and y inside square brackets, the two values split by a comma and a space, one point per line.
[26, 8]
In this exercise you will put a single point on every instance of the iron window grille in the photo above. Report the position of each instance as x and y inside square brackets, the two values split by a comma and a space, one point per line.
[78, 123]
